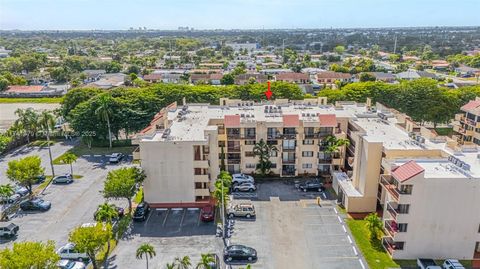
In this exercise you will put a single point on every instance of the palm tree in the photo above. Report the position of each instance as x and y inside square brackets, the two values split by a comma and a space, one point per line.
[104, 111]
[6, 191]
[106, 213]
[169, 266]
[263, 151]
[16, 130]
[69, 158]
[374, 225]
[183, 263]
[148, 250]
[205, 262]
[46, 121]
[28, 120]
[334, 144]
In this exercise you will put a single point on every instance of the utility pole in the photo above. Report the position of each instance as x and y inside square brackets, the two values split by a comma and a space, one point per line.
[223, 213]
[283, 50]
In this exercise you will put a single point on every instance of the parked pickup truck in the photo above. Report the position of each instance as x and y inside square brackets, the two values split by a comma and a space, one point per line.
[427, 264]
[8, 230]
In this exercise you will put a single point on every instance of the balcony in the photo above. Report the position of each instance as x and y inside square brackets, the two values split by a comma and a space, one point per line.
[310, 135]
[288, 161]
[388, 244]
[201, 178]
[271, 136]
[459, 117]
[288, 149]
[233, 136]
[233, 161]
[202, 192]
[387, 181]
[289, 136]
[392, 210]
[391, 227]
[336, 161]
[325, 160]
[201, 164]
[233, 149]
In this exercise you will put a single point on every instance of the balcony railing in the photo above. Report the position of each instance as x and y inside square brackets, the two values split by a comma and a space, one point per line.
[233, 136]
[387, 182]
[288, 148]
[288, 160]
[325, 160]
[392, 210]
[233, 161]
[233, 149]
[387, 243]
[274, 135]
[289, 136]
[391, 227]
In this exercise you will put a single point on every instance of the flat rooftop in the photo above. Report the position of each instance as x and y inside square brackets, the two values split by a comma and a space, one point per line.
[191, 125]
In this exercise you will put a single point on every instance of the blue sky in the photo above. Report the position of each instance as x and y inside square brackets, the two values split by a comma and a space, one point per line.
[234, 14]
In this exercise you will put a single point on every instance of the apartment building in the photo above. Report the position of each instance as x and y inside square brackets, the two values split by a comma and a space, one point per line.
[467, 124]
[427, 186]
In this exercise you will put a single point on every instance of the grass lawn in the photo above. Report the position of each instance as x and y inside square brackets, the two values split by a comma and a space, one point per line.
[44, 100]
[376, 256]
[444, 131]
[81, 150]
[40, 143]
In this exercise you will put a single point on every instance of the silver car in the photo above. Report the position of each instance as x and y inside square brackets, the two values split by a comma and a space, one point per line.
[67, 178]
[247, 186]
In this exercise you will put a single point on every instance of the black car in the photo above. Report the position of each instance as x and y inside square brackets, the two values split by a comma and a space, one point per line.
[39, 179]
[311, 185]
[141, 212]
[35, 204]
[239, 253]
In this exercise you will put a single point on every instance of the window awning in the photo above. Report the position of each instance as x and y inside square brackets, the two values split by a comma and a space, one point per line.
[291, 121]
[232, 121]
[327, 120]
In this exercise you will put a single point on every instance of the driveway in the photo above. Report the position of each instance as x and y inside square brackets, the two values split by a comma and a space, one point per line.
[72, 204]
[292, 231]
[173, 233]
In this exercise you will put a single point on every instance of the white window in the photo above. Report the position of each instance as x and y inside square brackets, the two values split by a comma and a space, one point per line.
[250, 165]
[306, 165]
[273, 153]
[307, 153]
[308, 142]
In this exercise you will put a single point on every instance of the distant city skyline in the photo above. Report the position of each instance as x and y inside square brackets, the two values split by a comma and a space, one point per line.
[234, 14]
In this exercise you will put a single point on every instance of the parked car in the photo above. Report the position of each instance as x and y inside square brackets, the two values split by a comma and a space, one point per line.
[70, 253]
[120, 212]
[21, 190]
[207, 213]
[141, 212]
[241, 210]
[427, 264]
[239, 253]
[9, 230]
[311, 185]
[12, 198]
[246, 186]
[67, 178]
[116, 157]
[40, 179]
[452, 264]
[215, 264]
[69, 264]
[35, 204]
[241, 178]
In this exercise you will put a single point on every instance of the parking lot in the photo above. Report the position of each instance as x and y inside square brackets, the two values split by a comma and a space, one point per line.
[292, 230]
[174, 233]
[72, 204]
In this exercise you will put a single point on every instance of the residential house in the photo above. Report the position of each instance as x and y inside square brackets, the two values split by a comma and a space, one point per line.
[93, 75]
[108, 81]
[292, 77]
[153, 78]
[243, 79]
[466, 71]
[413, 74]
[329, 77]
[31, 91]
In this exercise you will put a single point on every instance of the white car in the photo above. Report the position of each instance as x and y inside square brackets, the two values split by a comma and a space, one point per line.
[68, 264]
[116, 157]
[246, 186]
[70, 253]
[452, 264]
[242, 178]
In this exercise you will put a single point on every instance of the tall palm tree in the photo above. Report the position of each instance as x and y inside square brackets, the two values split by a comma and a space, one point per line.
[183, 263]
[16, 130]
[263, 150]
[106, 213]
[148, 250]
[28, 120]
[205, 262]
[104, 111]
[374, 225]
[46, 121]
[69, 158]
[169, 266]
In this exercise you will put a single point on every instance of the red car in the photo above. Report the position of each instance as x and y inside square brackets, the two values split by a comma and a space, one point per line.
[207, 213]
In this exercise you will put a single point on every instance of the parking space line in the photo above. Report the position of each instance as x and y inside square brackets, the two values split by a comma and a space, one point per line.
[334, 209]
[349, 239]
[344, 229]
[149, 215]
[361, 263]
[355, 251]
[324, 196]
[165, 219]
[339, 219]
[161, 209]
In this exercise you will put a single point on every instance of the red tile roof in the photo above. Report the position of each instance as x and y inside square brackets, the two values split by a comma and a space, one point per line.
[232, 120]
[471, 105]
[291, 121]
[328, 120]
[24, 89]
[407, 170]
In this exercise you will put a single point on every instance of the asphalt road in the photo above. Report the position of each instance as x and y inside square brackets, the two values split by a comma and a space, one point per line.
[72, 204]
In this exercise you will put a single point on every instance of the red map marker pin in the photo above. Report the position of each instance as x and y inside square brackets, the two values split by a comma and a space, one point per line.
[268, 93]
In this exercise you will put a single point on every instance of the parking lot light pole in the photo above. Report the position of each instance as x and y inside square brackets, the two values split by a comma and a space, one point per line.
[223, 214]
